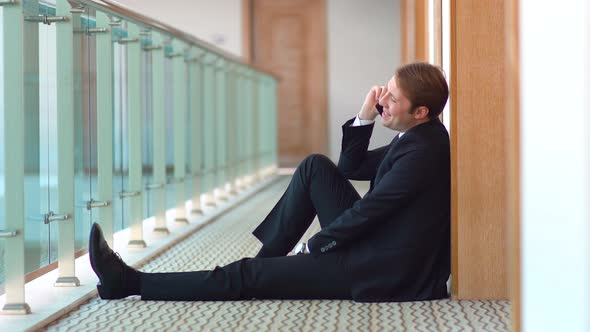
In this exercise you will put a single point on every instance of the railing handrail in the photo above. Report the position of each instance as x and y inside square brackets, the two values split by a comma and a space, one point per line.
[123, 11]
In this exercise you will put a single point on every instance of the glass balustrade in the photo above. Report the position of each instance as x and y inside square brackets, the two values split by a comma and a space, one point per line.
[108, 116]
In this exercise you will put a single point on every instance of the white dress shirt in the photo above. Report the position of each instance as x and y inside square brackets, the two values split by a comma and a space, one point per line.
[360, 122]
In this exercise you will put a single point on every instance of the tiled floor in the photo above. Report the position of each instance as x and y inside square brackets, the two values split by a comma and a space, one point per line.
[228, 239]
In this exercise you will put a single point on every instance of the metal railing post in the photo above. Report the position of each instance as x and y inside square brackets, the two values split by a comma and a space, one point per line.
[249, 126]
[158, 184]
[256, 127]
[209, 129]
[242, 128]
[220, 125]
[179, 112]
[65, 145]
[134, 116]
[14, 264]
[232, 115]
[104, 125]
[274, 132]
[196, 97]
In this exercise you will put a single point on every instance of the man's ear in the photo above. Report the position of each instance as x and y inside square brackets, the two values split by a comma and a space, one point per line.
[421, 113]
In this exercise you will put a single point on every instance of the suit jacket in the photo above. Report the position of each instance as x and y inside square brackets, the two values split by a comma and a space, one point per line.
[396, 239]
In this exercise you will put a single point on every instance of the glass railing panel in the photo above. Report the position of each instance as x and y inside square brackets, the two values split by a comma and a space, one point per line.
[41, 190]
[102, 193]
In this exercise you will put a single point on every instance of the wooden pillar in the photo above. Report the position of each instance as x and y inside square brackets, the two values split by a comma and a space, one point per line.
[421, 29]
[478, 153]
[414, 30]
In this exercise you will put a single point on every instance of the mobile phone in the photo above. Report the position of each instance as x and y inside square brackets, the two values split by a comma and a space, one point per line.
[379, 109]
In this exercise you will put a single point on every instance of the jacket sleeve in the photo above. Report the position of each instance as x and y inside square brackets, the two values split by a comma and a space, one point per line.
[411, 172]
[355, 162]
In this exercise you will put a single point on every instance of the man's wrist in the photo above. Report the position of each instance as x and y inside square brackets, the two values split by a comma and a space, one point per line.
[367, 115]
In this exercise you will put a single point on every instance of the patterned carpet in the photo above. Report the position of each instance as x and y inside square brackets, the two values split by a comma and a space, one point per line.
[229, 239]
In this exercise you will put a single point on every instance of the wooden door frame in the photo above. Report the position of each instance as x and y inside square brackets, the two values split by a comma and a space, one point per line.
[512, 123]
[247, 29]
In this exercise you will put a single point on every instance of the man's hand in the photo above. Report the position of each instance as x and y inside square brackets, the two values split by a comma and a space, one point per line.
[368, 111]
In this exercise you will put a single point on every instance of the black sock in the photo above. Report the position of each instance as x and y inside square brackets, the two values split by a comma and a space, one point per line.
[134, 282]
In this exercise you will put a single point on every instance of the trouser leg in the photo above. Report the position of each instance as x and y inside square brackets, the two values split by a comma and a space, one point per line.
[317, 188]
[286, 277]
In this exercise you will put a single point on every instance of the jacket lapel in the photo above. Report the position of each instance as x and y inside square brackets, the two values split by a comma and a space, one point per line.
[384, 165]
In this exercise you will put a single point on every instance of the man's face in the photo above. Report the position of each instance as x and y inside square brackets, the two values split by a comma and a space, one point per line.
[396, 109]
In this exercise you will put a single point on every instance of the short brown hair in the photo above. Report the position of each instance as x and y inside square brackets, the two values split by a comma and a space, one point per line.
[424, 85]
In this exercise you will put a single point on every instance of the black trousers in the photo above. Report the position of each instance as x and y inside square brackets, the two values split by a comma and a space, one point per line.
[317, 188]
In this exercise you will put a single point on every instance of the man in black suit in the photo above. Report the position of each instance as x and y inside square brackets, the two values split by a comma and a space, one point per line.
[391, 245]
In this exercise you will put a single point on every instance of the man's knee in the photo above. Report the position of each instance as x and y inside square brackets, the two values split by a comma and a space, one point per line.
[316, 164]
[317, 160]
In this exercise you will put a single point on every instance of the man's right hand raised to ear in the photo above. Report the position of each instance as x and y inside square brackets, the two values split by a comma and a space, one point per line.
[368, 111]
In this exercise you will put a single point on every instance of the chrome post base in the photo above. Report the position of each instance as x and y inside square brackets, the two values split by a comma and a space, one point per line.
[220, 195]
[181, 220]
[210, 200]
[234, 187]
[136, 244]
[15, 309]
[67, 282]
[161, 231]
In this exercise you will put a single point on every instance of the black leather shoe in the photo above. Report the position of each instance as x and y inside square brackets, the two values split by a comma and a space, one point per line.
[116, 279]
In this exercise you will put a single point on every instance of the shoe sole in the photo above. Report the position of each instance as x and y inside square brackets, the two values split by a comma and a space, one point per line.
[106, 293]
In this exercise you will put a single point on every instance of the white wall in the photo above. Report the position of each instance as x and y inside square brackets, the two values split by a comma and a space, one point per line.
[363, 50]
[218, 22]
[555, 169]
